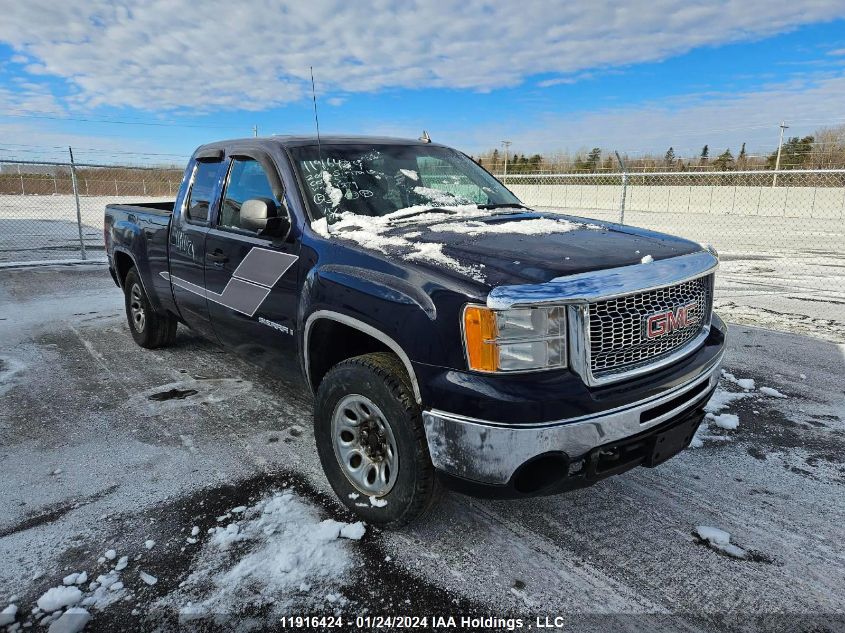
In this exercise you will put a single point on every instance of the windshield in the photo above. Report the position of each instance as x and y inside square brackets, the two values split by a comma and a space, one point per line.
[377, 180]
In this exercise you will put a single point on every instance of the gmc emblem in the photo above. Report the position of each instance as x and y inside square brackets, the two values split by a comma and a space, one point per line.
[663, 323]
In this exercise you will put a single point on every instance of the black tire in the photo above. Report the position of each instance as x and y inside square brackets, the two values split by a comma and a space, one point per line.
[149, 328]
[381, 378]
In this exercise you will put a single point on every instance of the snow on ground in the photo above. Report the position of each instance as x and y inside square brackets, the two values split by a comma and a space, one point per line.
[771, 391]
[276, 554]
[720, 540]
[627, 545]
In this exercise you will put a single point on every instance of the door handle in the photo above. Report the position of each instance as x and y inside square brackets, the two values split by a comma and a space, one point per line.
[218, 257]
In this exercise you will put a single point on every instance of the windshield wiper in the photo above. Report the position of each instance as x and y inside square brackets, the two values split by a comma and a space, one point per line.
[423, 212]
[504, 205]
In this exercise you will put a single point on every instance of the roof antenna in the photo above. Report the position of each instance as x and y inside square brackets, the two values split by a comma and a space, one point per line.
[317, 121]
[425, 138]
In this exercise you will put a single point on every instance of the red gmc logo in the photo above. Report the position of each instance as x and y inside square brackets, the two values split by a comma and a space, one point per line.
[663, 323]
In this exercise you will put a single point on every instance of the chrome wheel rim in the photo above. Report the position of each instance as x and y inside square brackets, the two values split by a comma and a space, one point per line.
[136, 308]
[364, 445]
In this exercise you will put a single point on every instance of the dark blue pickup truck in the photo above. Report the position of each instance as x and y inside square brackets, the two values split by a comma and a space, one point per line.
[450, 334]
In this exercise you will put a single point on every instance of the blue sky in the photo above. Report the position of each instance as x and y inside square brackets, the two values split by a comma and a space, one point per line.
[121, 81]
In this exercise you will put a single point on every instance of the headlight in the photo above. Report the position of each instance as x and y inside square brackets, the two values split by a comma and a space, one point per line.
[519, 339]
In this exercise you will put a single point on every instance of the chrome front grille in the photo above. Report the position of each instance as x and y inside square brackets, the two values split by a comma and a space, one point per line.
[618, 340]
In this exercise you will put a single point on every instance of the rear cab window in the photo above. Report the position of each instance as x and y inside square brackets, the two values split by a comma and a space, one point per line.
[202, 191]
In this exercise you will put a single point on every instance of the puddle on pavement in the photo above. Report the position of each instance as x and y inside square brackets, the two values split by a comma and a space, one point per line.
[172, 394]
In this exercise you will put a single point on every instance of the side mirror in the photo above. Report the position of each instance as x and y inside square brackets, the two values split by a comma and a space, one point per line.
[262, 216]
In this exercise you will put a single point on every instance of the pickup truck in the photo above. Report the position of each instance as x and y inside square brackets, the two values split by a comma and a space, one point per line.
[451, 335]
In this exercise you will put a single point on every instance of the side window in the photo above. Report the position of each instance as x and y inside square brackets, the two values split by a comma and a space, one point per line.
[202, 190]
[247, 180]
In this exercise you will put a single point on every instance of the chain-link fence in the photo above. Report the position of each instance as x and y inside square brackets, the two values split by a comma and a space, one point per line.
[54, 211]
[777, 232]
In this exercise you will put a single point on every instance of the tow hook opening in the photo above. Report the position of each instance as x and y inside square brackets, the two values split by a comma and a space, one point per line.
[541, 472]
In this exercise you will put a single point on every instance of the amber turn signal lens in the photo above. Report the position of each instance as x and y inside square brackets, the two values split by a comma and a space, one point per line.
[480, 333]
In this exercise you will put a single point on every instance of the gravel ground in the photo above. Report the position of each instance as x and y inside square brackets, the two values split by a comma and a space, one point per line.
[104, 445]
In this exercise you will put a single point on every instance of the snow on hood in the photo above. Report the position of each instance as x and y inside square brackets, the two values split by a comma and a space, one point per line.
[384, 234]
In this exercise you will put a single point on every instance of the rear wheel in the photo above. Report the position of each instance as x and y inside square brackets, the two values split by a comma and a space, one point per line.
[150, 329]
[371, 440]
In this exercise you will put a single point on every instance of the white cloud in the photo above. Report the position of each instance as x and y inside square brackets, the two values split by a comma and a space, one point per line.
[29, 97]
[686, 122]
[218, 54]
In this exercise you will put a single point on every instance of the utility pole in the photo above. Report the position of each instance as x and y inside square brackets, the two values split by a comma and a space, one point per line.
[255, 130]
[506, 145]
[783, 126]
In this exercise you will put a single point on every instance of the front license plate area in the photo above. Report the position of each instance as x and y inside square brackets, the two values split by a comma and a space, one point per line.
[672, 441]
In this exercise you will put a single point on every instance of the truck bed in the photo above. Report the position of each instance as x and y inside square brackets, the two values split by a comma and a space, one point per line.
[137, 234]
[155, 208]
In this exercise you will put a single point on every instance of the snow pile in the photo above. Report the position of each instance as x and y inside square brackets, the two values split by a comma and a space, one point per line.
[647, 259]
[439, 197]
[720, 400]
[58, 598]
[433, 252]
[71, 621]
[276, 554]
[78, 578]
[743, 383]
[534, 226]
[774, 393]
[374, 232]
[7, 615]
[727, 421]
[377, 503]
[719, 540]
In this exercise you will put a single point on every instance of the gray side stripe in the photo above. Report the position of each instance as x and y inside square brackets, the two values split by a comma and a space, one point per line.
[250, 284]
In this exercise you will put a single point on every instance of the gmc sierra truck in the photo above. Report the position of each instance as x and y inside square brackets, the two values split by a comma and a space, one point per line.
[450, 334]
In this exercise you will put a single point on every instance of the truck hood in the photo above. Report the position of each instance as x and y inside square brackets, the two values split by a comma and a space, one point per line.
[522, 248]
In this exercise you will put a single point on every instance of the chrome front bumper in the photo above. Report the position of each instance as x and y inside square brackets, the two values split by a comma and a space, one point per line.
[490, 453]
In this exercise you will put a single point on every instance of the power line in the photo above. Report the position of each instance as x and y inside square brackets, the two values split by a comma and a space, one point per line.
[119, 122]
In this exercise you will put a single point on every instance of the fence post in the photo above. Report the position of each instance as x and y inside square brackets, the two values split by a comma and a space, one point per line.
[115, 187]
[78, 210]
[624, 192]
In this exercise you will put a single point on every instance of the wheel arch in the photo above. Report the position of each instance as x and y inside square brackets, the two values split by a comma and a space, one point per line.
[386, 343]
[123, 263]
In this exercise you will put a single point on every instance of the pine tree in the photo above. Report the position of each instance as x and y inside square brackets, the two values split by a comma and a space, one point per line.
[705, 153]
[593, 159]
[669, 158]
[724, 161]
[794, 154]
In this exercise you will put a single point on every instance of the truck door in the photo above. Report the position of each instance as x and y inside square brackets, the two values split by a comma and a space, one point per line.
[187, 243]
[250, 275]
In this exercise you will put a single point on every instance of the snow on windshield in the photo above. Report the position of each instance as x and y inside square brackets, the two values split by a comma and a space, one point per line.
[365, 194]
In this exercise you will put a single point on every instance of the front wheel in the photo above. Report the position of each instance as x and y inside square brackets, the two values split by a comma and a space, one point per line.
[149, 328]
[371, 440]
